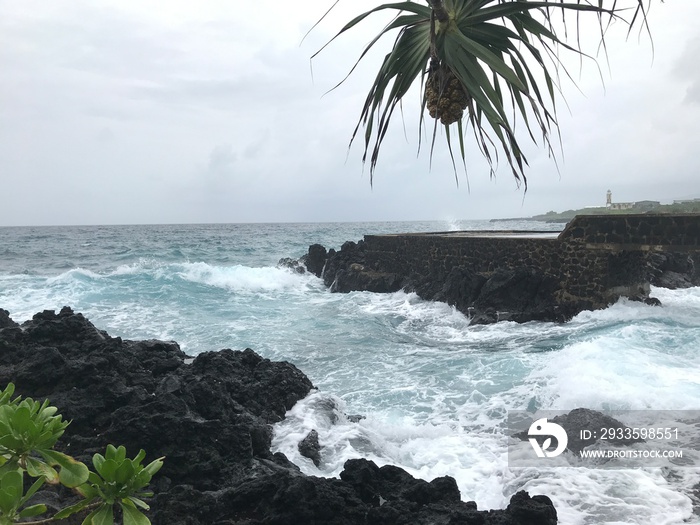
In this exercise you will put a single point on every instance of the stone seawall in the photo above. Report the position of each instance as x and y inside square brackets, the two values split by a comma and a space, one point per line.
[580, 277]
[647, 232]
[523, 276]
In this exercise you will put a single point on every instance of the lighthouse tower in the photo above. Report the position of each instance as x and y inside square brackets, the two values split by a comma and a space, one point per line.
[608, 199]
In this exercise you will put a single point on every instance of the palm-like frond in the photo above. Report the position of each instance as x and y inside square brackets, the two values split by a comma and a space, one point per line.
[504, 54]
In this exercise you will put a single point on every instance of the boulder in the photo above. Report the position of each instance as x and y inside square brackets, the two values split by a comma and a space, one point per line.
[5, 321]
[672, 270]
[350, 253]
[315, 259]
[309, 447]
[293, 264]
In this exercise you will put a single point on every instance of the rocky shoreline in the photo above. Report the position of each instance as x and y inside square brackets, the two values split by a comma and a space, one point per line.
[211, 417]
[517, 294]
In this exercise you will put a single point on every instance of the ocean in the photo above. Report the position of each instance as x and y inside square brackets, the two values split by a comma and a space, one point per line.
[433, 391]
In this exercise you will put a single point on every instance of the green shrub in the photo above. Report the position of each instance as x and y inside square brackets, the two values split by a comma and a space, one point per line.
[28, 432]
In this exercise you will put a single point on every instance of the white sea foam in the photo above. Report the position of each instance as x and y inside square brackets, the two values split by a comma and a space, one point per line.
[436, 394]
[76, 274]
[477, 459]
[240, 278]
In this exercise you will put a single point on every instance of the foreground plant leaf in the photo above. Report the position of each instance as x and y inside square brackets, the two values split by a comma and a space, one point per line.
[72, 473]
[118, 480]
[13, 498]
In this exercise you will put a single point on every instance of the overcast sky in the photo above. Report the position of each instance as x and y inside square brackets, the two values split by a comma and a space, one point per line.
[143, 111]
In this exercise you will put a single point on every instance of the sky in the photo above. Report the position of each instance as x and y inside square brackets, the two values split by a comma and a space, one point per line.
[150, 112]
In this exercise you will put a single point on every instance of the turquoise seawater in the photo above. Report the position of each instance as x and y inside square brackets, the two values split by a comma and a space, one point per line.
[434, 392]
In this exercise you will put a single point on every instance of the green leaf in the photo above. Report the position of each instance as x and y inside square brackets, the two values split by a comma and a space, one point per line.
[141, 479]
[37, 468]
[139, 502]
[73, 472]
[8, 501]
[86, 490]
[103, 515]
[6, 395]
[472, 48]
[21, 419]
[11, 491]
[73, 509]
[133, 516]
[124, 472]
[12, 481]
[154, 466]
[32, 490]
[139, 457]
[107, 470]
[94, 478]
[97, 461]
[34, 510]
[9, 465]
[121, 454]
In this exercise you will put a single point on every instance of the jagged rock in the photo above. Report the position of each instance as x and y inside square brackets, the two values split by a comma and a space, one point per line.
[211, 419]
[345, 271]
[309, 447]
[391, 483]
[695, 498]
[537, 510]
[672, 270]
[396, 497]
[292, 264]
[487, 316]
[350, 253]
[315, 259]
[5, 321]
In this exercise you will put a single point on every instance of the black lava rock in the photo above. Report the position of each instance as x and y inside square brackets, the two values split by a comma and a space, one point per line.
[315, 259]
[309, 447]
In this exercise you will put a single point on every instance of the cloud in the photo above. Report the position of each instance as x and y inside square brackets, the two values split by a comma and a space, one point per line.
[686, 68]
[222, 161]
[210, 110]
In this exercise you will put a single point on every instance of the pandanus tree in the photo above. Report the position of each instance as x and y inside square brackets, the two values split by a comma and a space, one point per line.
[481, 64]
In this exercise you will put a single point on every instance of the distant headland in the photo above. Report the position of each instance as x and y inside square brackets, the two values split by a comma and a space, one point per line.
[616, 208]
